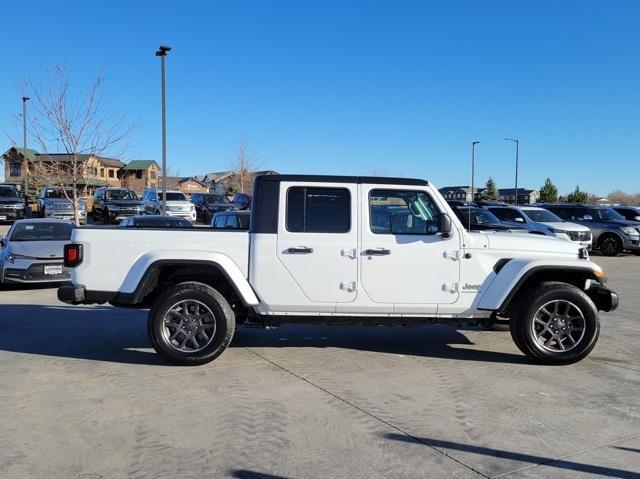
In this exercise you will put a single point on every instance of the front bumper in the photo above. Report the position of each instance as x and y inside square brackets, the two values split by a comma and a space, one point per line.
[66, 215]
[34, 273]
[11, 215]
[604, 298]
[188, 215]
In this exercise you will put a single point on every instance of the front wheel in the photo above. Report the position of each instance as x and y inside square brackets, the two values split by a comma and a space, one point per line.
[190, 324]
[610, 245]
[556, 323]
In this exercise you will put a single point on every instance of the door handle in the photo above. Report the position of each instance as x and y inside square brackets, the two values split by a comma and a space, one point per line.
[300, 250]
[377, 252]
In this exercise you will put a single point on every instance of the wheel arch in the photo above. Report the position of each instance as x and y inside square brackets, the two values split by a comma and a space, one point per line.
[609, 232]
[516, 277]
[163, 273]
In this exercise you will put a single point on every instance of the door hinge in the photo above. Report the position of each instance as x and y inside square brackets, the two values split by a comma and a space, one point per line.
[450, 288]
[348, 286]
[349, 253]
[452, 255]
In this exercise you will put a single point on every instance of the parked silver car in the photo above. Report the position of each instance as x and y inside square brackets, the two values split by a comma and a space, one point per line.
[54, 203]
[541, 221]
[32, 251]
[177, 204]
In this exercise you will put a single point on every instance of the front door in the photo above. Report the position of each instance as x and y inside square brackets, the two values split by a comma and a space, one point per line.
[404, 259]
[317, 239]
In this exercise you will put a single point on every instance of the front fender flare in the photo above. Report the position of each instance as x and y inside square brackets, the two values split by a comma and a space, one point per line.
[515, 272]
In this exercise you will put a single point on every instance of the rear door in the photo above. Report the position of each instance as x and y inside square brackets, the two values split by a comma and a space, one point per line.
[318, 237]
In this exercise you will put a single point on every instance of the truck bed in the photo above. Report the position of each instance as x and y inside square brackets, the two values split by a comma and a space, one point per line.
[117, 253]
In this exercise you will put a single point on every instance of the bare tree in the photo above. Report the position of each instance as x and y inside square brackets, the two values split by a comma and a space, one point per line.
[78, 124]
[243, 166]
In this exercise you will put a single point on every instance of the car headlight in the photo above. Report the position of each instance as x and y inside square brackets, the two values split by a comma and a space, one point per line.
[631, 231]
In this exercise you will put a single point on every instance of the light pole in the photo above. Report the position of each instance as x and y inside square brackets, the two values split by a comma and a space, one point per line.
[162, 53]
[517, 142]
[473, 176]
[25, 162]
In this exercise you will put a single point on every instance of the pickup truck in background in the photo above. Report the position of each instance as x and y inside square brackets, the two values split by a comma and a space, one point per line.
[351, 250]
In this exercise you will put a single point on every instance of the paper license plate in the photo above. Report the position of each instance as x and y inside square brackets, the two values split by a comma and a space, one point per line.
[55, 269]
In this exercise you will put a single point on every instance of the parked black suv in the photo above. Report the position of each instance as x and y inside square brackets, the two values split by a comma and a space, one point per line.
[612, 233]
[12, 205]
[112, 205]
[242, 201]
[208, 204]
[630, 213]
[482, 219]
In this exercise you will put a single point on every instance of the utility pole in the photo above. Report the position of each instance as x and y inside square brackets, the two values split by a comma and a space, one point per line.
[517, 142]
[25, 162]
[473, 176]
[162, 53]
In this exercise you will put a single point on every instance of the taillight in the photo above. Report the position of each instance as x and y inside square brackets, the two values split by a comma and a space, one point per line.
[72, 255]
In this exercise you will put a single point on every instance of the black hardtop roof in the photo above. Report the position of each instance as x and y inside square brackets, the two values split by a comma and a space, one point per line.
[375, 180]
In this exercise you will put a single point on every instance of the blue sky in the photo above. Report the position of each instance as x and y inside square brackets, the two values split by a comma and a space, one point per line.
[399, 87]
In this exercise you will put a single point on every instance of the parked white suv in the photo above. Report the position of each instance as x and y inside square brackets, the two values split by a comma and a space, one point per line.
[177, 204]
[542, 221]
[342, 250]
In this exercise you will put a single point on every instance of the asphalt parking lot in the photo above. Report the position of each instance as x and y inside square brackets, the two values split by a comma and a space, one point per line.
[83, 395]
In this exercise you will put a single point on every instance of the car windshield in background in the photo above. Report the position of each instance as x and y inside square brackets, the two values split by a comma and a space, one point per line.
[58, 194]
[605, 214]
[41, 231]
[173, 197]
[121, 195]
[483, 217]
[542, 216]
[215, 198]
[9, 193]
[162, 222]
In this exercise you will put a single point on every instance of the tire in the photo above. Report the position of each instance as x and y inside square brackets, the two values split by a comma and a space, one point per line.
[575, 310]
[105, 216]
[610, 245]
[636, 252]
[209, 335]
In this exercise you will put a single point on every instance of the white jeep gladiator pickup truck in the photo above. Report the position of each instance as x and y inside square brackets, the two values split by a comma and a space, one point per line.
[330, 249]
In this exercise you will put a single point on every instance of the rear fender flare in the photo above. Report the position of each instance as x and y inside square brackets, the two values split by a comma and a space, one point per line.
[147, 263]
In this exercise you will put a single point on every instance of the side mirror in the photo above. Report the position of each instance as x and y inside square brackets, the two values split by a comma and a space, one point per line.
[444, 224]
[2, 241]
[637, 218]
[519, 220]
[587, 218]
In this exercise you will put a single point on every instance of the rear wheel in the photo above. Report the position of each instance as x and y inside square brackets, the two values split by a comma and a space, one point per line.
[610, 245]
[556, 323]
[190, 324]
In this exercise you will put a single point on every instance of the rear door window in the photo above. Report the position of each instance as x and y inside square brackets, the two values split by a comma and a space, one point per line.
[318, 210]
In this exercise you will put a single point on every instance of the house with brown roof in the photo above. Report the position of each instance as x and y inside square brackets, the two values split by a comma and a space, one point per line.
[186, 185]
[138, 175]
[95, 170]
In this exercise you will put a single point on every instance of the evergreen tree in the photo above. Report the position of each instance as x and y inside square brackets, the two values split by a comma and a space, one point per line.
[548, 192]
[490, 192]
[578, 196]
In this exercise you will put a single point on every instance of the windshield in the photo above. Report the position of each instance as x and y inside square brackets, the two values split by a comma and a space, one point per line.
[121, 195]
[542, 216]
[479, 216]
[58, 194]
[42, 231]
[215, 198]
[605, 214]
[9, 193]
[173, 197]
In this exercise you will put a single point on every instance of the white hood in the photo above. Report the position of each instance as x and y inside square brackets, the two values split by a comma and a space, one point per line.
[531, 243]
[564, 226]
